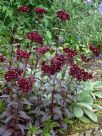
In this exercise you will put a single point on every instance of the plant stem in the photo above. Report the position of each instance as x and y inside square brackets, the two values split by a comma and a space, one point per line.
[52, 101]
[52, 104]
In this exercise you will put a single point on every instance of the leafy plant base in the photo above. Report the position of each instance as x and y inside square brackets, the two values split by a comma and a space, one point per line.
[78, 128]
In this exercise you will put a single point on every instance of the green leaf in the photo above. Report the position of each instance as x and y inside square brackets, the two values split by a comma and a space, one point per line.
[98, 94]
[84, 119]
[98, 84]
[84, 97]
[91, 115]
[84, 105]
[2, 106]
[49, 34]
[89, 86]
[78, 111]
[97, 106]
[47, 134]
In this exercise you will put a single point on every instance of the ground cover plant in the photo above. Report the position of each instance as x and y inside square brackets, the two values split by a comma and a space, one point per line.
[44, 48]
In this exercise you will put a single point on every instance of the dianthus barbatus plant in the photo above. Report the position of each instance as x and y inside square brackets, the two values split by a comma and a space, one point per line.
[35, 88]
[32, 98]
[16, 86]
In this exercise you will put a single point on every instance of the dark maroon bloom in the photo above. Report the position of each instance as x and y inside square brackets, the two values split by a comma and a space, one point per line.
[63, 15]
[61, 58]
[79, 73]
[70, 52]
[57, 62]
[2, 58]
[13, 74]
[35, 37]
[40, 10]
[24, 8]
[84, 58]
[22, 54]
[94, 49]
[25, 84]
[46, 68]
[55, 65]
[42, 50]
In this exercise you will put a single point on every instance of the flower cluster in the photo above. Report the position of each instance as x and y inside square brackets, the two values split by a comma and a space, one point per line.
[42, 50]
[22, 54]
[57, 62]
[13, 74]
[63, 15]
[95, 50]
[24, 8]
[25, 84]
[35, 37]
[79, 73]
[40, 10]
[46, 68]
[70, 53]
[2, 58]
[55, 65]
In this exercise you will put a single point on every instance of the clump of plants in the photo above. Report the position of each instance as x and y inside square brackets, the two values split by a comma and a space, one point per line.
[43, 85]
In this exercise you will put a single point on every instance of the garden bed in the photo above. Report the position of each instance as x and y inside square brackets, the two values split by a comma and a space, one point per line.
[50, 68]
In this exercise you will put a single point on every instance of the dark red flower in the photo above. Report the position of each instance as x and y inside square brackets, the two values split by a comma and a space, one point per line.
[2, 58]
[24, 8]
[79, 73]
[61, 58]
[25, 84]
[70, 52]
[40, 10]
[94, 49]
[42, 50]
[22, 54]
[57, 62]
[46, 68]
[63, 15]
[35, 37]
[55, 65]
[84, 58]
[13, 74]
